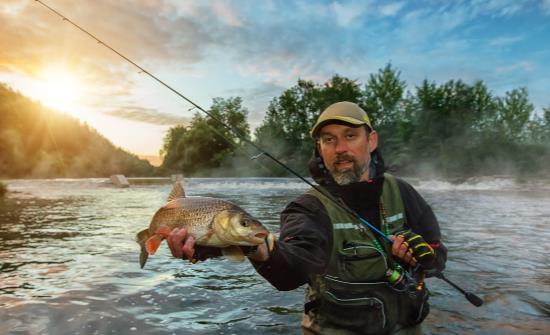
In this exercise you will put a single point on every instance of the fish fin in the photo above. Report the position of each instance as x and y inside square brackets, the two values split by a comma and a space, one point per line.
[153, 243]
[141, 237]
[233, 253]
[163, 231]
[177, 191]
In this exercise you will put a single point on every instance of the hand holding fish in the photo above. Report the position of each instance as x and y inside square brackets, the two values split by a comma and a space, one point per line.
[192, 224]
[181, 243]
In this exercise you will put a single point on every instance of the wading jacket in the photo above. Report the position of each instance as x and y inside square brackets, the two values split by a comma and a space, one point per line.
[305, 246]
[305, 241]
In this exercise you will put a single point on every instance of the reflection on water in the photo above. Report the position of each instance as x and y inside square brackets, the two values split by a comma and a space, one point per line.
[69, 263]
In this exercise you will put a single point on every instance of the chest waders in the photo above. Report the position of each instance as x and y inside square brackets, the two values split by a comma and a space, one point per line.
[354, 294]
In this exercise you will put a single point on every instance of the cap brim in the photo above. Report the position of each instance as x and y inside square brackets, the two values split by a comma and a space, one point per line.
[324, 122]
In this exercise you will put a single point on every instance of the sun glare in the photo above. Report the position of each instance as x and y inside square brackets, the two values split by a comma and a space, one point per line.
[59, 89]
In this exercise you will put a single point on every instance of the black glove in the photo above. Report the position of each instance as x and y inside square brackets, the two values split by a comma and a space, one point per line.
[422, 251]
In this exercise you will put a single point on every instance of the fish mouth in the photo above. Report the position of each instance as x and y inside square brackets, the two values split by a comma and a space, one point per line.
[261, 235]
[259, 238]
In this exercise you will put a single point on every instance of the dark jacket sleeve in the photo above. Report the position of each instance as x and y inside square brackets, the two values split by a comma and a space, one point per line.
[303, 247]
[421, 220]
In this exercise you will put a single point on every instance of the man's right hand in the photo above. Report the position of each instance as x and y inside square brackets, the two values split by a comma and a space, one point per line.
[181, 243]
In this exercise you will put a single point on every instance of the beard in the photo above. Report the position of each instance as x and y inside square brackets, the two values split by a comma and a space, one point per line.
[348, 176]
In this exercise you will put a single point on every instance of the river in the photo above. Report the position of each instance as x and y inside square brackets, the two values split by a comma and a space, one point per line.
[69, 263]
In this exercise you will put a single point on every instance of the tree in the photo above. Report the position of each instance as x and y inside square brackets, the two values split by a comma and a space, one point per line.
[209, 140]
[383, 101]
[514, 110]
[36, 141]
[383, 93]
[285, 129]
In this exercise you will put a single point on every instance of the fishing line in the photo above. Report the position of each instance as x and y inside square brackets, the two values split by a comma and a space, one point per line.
[239, 135]
[234, 131]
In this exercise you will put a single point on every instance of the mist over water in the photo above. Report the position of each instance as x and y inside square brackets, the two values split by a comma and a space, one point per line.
[69, 263]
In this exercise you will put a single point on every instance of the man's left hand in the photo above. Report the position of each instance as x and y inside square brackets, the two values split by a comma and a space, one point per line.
[411, 248]
[400, 249]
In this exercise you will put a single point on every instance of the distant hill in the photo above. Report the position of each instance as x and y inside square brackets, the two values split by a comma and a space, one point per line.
[37, 142]
[153, 160]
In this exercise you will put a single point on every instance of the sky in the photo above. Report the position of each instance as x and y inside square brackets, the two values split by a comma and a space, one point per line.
[256, 50]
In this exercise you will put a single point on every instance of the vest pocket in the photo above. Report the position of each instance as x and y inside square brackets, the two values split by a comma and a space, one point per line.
[366, 315]
[359, 262]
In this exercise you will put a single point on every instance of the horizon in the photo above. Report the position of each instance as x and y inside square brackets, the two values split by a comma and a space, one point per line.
[256, 52]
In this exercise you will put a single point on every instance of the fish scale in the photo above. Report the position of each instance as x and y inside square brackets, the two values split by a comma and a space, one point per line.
[212, 222]
[194, 213]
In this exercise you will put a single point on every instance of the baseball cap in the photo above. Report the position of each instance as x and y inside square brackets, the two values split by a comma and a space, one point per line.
[343, 111]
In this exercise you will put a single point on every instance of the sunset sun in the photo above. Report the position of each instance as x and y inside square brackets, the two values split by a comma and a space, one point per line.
[59, 89]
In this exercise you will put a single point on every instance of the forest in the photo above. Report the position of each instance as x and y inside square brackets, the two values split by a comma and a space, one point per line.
[37, 142]
[449, 130]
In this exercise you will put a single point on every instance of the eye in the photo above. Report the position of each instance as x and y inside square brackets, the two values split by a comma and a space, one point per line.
[245, 223]
[327, 139]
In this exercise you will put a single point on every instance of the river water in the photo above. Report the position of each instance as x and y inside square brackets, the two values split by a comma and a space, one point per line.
[69, 263]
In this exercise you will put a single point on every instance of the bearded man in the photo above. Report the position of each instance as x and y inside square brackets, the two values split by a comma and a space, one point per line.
[357, 283]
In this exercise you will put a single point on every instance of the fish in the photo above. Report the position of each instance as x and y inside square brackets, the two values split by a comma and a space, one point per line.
[212, 222]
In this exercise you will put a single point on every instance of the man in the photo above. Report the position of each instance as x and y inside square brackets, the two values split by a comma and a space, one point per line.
[357, 282]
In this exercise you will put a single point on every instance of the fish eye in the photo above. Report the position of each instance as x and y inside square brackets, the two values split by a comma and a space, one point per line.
[245, 222]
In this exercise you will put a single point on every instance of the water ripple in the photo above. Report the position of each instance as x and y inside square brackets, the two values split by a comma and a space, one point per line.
[69, 263]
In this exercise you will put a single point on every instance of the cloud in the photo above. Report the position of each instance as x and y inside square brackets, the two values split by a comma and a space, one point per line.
[271, 44]
[147, 115]
[521, 66]
[546, 6]
[35, 36]
[391, 9]
[505, 40]
[347, 14]
[227, 14]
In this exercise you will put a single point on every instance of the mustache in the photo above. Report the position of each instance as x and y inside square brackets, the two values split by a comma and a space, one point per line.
[344, 157]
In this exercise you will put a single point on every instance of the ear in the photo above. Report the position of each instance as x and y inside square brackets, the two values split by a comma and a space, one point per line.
[318, 157]
[373, 140]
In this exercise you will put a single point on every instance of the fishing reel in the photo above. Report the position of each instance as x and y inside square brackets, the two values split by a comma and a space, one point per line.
[404, 281]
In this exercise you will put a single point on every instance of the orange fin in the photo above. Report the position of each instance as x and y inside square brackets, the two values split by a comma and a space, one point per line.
[163, 231]
[153, 243]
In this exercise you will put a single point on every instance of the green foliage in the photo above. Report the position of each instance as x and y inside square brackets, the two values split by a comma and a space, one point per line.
[452, 129]
[38, 142]
[514, 112]
[207, 144]
[383, 93]
[285, 129]
[384, 103]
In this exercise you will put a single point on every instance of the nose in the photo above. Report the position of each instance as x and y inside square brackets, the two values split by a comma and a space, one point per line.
[341, 146]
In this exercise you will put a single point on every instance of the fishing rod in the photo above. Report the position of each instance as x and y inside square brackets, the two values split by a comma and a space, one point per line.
[223, 124]
[472, 298]
[239, 134]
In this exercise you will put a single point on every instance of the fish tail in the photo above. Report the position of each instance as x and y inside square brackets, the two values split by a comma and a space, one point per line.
[150, 243]
[141, 238]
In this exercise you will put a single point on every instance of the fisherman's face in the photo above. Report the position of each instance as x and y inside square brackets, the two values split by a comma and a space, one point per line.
[346, 151]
